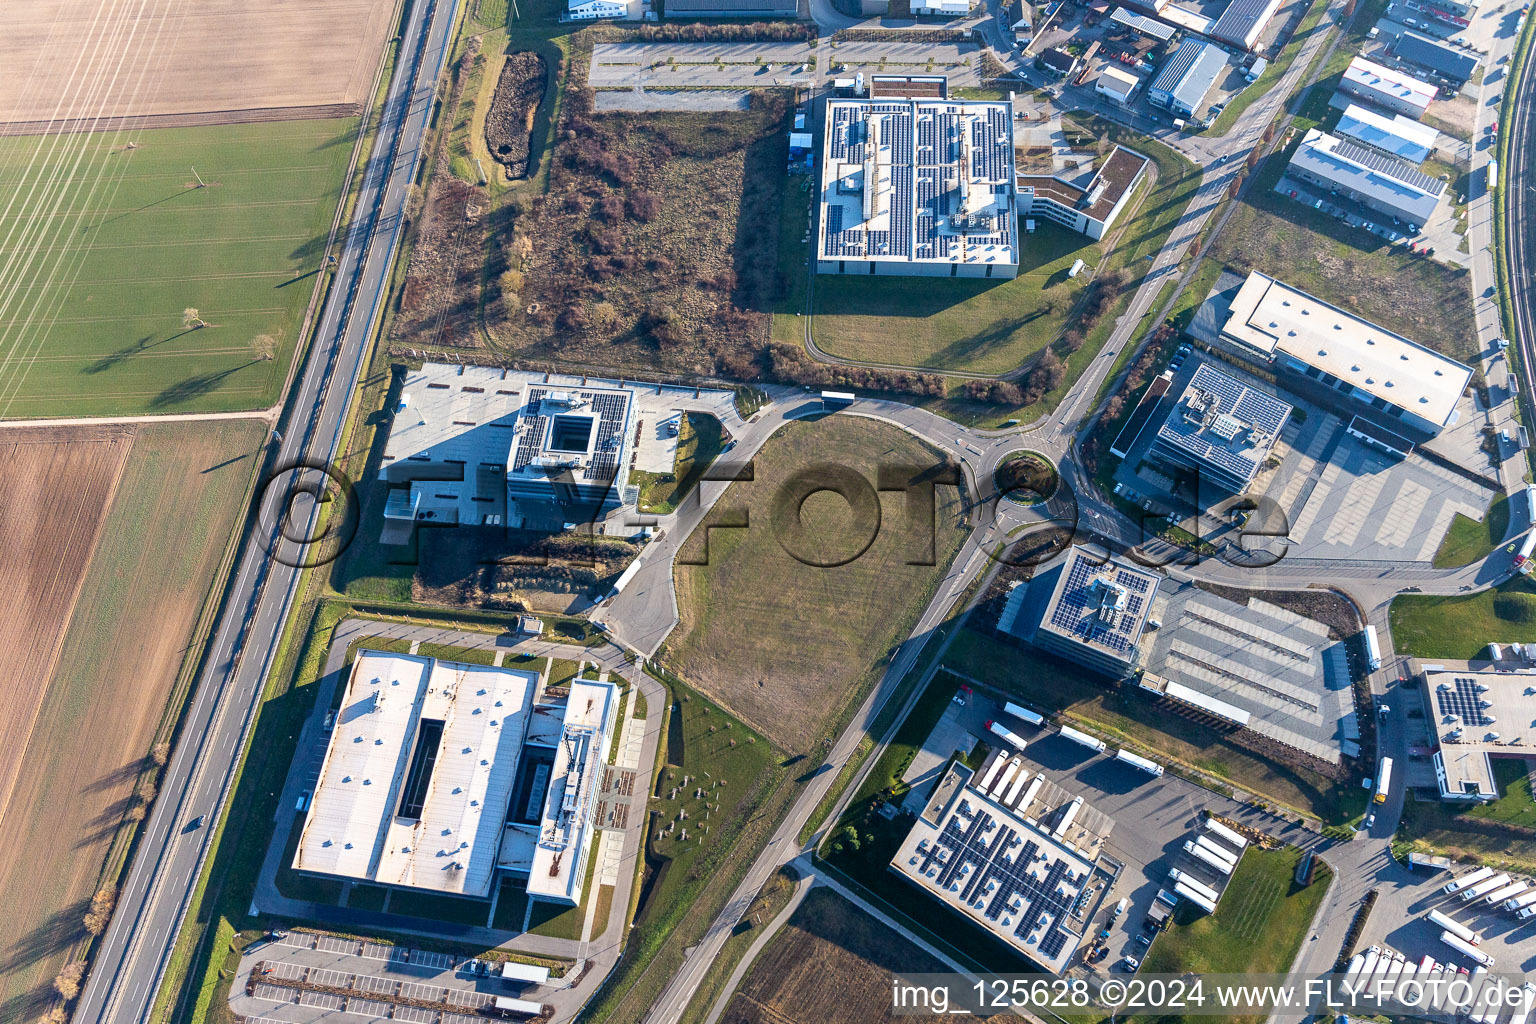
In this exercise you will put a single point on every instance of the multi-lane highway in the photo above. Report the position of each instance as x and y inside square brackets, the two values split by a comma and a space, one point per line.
[160, 883]
[1519, 185]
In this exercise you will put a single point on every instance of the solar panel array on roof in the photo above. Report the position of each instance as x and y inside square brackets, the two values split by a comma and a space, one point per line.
[1072, 613]
[1392, 167]
[1239, 426]
[1464, 700]
[921, 145]
[610, 410]
[1150, 27]
[1000, 875]
[532, 440]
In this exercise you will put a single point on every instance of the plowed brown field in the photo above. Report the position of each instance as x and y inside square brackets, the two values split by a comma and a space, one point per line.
[56, 493]
[89, 59]
[136, 555]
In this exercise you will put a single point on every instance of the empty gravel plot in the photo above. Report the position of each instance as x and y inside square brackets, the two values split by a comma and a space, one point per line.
[167, 59]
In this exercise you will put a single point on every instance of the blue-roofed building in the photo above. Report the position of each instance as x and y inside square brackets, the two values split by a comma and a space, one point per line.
[1398, 136]
[1385, 184]
[1454, 64]
[1188, 75]
[1086, 609]
[1222, 429]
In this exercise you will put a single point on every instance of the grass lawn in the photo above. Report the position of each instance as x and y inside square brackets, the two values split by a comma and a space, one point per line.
[1351, 268]
[511, 905]
[1258, 925]
[110, 262]
[795, 247]
[987, 326]
[751, 593]
[1425, 626]
[1476, 833]
[561, 671]
[1272, 74]
[1126, 716]
[367, 897]
[1514, 805]
[698, 444]
[1468, 540]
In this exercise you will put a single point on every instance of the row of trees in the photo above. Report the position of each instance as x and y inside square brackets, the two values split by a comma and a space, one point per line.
[790, 364]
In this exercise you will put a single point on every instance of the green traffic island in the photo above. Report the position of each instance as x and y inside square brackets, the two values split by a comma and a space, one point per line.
[1026, 478]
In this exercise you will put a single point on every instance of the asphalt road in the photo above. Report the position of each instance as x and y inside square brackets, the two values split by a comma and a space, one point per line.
[160, 883]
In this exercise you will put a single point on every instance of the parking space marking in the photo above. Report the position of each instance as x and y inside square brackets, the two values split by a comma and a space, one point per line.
[276, 993]
[368, 1007]
[329, 978]
[323, 1000]
[415, 1015]
[417, 990]
[375, 984]
[1403, 514]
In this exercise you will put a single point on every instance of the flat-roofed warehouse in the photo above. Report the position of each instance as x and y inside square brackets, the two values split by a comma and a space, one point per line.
[1341, 360]
[1385, 184]
[1187, 76]
[1018, 877]
[1456, 65]
[418, 774]
[1084, 608]
[918, 187]
[1360, 367]
[447, 776]
[560, 859]
[1143, 25]
[1221, 428]
[1252, 664]
[1398, 136]
[1244, 21]
[1387, 88]
[1478, 711]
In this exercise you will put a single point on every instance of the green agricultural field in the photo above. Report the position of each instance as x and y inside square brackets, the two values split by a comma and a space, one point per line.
[131, 289]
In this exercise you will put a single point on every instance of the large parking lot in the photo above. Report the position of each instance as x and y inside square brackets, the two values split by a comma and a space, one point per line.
[303, 977]
[1400, 922]
[1153, 816]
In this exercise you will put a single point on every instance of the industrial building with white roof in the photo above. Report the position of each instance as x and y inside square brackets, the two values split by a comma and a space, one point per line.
[1479, 711]
[1387, 88]
[1348, 363]
[1222, 428]
[918, 186]
[1397, 135]
[1384, 184]
[1013, 859]
[472, 445]
[432, 764]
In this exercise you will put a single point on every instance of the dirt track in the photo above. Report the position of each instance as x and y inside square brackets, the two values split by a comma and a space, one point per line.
[208, 58]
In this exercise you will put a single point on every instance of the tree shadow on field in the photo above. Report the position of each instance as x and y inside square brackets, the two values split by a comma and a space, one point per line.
[195, 386]
[128, 772]
[127, 352]
[28, 1005]
[129, 213]
[51, 936]
[105, 824]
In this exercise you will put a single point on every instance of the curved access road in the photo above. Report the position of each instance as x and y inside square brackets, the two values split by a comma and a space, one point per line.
[158, 889]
